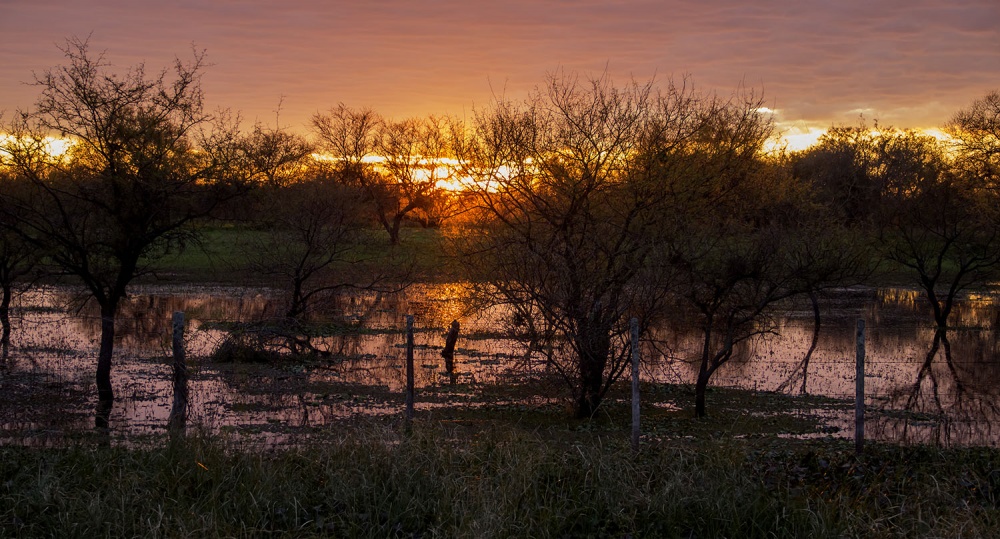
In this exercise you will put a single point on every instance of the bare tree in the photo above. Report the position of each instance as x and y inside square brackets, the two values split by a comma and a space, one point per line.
[17, 259]
[977, 132]
[826, 256]
[276, 156]
[736, 258]
[307, 228]
[349, 136]
[309, 233]
[569, 204]
[930, 213]
[946, 232]
[139, 169]
[417, 157]
[398, 164]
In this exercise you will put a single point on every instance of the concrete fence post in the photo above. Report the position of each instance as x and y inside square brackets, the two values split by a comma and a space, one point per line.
[409, 368]
[635, 383]
[859, 390]
[178, 412]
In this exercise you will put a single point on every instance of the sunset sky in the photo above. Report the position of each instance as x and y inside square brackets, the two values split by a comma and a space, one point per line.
[906, 63]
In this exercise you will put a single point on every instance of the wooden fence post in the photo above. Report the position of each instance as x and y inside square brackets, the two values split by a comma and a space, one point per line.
[409, 367]
[449, 350]
[635, 383]
[178, 413]
[859, 390]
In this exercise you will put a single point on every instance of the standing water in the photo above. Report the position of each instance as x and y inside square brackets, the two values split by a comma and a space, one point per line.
[923, 386]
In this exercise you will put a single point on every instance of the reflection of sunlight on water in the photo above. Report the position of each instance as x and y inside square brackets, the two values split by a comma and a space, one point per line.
[899, 296]
[944, 402]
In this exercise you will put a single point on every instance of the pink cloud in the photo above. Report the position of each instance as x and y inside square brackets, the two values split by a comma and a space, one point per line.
[914, 61]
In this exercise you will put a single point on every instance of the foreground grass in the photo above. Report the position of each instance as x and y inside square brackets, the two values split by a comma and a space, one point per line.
[377, 480]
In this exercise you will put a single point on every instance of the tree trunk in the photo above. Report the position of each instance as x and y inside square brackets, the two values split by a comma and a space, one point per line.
[448, 353]
[701, 385]
[298, 305]
[940, 313]
[700, 388]
[5, 322]
[590, 391]
[397, 222]
[593, 347]
[104, 391]
[817, 324]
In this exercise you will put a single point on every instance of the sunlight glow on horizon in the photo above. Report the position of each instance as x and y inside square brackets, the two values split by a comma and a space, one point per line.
[937, 133]
[800, 138]
[795, 139]
[791, 137]
[56, 147]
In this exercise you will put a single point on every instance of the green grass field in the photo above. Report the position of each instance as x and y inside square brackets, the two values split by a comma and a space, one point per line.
[219, 255]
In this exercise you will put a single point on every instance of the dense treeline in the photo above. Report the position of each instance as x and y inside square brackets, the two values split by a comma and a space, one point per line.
[583, 206]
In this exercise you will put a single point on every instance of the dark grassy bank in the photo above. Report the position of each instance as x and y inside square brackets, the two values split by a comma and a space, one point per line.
[374, 480]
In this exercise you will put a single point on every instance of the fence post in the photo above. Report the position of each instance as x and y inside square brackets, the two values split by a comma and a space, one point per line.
[178, 413]
[635, 383]
[859, 397]
[449, 350]
[409, 367]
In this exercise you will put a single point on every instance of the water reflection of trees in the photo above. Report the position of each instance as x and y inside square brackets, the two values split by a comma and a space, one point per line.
[144, 320]
[923, 387]
[954, 395]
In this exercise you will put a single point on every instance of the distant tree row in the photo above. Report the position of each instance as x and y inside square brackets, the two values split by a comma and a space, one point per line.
[583, 206]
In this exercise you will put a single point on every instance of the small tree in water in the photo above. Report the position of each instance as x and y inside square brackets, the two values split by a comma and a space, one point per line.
[17, 259]
[139, 168]
[934, 213]
[570, 203]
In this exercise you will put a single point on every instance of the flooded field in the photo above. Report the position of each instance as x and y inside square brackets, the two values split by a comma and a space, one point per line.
[921, 387]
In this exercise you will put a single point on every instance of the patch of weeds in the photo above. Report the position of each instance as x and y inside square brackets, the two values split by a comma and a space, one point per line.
[911, 415]
[50, 350]
[486, 335]
[250, 407]
[469, 352]
[245, 348]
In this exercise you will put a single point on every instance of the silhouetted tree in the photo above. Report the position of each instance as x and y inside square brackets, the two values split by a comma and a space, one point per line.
[398, 164]
[929, 213]
[309, 233]
[17, 259]
[737, 248]
[570, 198]
[145, 161]
[845, 170]
[825, 256]
[349, 138]
[275, 156]
[977, 132]
[417, 154]
[943, 226]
